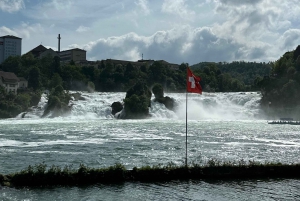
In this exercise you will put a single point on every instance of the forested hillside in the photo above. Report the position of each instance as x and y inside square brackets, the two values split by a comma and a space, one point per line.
[48, 72]
[236, 76]
[281, 90]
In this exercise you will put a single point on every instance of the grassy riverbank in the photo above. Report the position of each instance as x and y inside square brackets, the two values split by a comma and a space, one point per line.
[40, 175]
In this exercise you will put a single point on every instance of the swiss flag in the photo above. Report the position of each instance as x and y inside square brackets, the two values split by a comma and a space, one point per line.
[192, 83]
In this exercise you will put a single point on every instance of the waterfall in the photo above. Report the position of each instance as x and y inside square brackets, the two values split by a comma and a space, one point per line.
[208, 106]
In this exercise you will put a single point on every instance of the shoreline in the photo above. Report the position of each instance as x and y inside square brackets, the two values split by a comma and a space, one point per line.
[40, 176]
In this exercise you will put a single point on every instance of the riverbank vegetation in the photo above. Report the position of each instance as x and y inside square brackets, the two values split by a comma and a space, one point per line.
[13, 104]
[39, 175]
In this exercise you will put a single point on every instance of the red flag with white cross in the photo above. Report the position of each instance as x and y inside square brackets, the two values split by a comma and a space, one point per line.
[193, 82]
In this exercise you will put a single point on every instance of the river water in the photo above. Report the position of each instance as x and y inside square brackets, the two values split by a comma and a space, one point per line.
[221, 126]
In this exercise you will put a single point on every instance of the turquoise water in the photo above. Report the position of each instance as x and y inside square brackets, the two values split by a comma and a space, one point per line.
[92, 137]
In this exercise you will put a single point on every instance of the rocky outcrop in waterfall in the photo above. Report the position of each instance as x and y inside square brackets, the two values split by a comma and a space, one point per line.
[158, 92]
[136, 102]
[57, 104]
[116, 107]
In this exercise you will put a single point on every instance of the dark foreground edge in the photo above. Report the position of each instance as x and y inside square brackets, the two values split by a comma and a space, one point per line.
[40, 175]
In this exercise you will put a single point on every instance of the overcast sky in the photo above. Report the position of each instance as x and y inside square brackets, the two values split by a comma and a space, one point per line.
[177, 31]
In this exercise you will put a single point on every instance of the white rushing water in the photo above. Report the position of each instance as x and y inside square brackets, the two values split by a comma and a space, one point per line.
[209, 106]
[221, 126]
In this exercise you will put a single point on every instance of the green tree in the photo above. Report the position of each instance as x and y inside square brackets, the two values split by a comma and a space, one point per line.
[12, 64]
[55, 81]
[34, 80]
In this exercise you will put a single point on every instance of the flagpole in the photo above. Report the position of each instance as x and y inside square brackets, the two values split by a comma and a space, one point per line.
[192, 86]
[186, 128]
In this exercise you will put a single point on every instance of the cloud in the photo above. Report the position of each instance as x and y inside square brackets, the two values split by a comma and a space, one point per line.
[7, 31]
[81, 29]
[186, 44]
[24, 30]
[239, 2]
[177, 7]
[11, 5]
[143, 5]
[290, 39]
[173, 30]
[62, 4]
[259, 26]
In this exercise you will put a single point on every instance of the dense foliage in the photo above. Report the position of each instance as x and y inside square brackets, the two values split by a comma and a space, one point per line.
[11, 105]
[281, 90]
[234, 76]
[137, 101]
[113, 76]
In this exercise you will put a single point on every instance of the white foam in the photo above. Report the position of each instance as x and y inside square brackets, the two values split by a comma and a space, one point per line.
[212, 106]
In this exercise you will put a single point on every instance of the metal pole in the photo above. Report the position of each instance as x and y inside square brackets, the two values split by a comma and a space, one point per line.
[186, 155]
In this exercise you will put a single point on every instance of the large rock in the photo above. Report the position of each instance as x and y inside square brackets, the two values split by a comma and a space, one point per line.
[58, 103]
[116, 107]
[56, 108]
[136, 102]
[158, 92]
[167, 101]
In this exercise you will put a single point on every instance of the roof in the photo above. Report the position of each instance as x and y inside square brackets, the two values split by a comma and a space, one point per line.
[10, 36]
[8, 77]
[73, 49]
[37, 50]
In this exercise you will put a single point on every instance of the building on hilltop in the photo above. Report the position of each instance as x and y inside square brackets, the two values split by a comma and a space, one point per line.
[9, 46]
[41, 51]
[76, 55]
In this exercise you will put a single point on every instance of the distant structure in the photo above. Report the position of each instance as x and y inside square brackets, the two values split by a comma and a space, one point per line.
[9, 81]
[76, 55]
[41, 51]
[58, 42]
[9, 46]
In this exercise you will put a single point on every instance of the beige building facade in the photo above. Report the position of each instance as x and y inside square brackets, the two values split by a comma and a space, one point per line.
[75, 55]
[9, 81]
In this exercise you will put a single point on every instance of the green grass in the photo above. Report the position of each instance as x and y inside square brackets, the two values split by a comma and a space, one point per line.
[41, 175]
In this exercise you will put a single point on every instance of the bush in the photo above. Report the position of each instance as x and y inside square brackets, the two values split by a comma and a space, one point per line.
[158, 90]
[23, 100]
